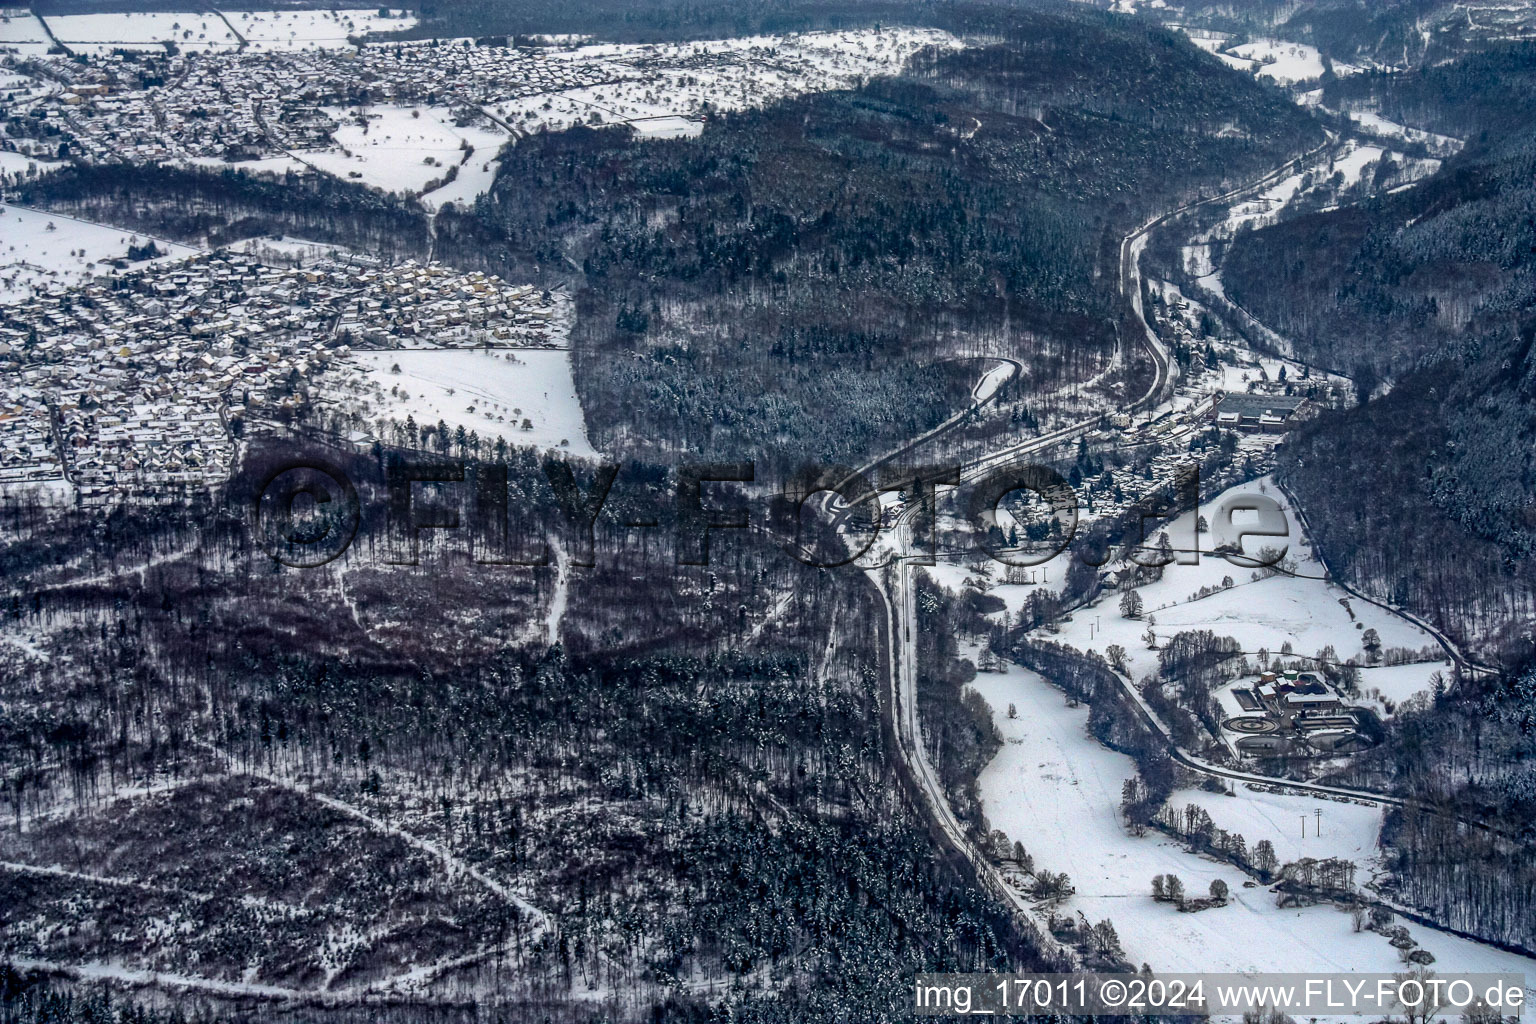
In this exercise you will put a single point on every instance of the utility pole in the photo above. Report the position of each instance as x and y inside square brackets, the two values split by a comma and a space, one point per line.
[1318, 831]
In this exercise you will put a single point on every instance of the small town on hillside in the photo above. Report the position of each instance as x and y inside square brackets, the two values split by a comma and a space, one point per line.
[139, 384]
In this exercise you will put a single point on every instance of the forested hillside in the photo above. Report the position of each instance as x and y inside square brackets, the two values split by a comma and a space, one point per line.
[675, 809]
[1432, 288]
[1384, 283]
[222, 207]
[1395, 33]
[786, 285]
[1433, 291]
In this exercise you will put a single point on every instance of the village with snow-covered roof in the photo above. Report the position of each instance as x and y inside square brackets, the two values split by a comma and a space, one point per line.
[312, 96]
[139, 383]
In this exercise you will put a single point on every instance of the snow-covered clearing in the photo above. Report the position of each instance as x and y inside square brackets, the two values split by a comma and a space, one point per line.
[493, 392]
[24, 35]
[56, 493]
[1378, 125]
[15, 166]
[667, 88]
[1265, 207]
[1056, 790]
[1301, 609]
[667, 126]
[307, 30]
[1285, 62]
[1343, 174]
[1354, 162]
[1344, 830]
[991, 381]
[1390, 685]
[1210, 42]
[278, 165]
[406, 149]
[475, 177]
[40, 252]
[103, 33]
[289, 250]
[1241, 63]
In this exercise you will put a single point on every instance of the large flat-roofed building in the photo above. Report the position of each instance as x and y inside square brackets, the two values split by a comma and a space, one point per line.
[1271, 414]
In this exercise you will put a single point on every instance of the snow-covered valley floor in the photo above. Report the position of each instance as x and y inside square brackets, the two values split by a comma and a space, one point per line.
[1057, 790]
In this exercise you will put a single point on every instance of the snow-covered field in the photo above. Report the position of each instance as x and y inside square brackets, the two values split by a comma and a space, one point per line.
[57, 493]
[1354, 162]
[1390, 685]
[1302, 610]
[202, 30]
[1056, 790]
[392, 147]
[102, 33]
[1379, 125]
[682, 82]
[288, 250]
[307, 30]
[1344, 830]
[24, 35]
[272, 164]
[1285, 62]
[476, 175]
[41, 251]
[667, 126]
[490, 391]
[15, 166]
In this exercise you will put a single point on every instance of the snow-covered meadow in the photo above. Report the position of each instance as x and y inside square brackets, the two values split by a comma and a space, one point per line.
[527, 396]
[1057, 790]
[1290, 821]
[103, 33]
[1300, 608]
[24, 35]
[688, 80]
[259, 31]
[405, 149]
[43, 251]
[17, 167]
[1285, 62]
[313, 29]
[1443, 145]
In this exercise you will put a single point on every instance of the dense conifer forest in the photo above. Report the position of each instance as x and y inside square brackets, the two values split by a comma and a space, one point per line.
[973, 206]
